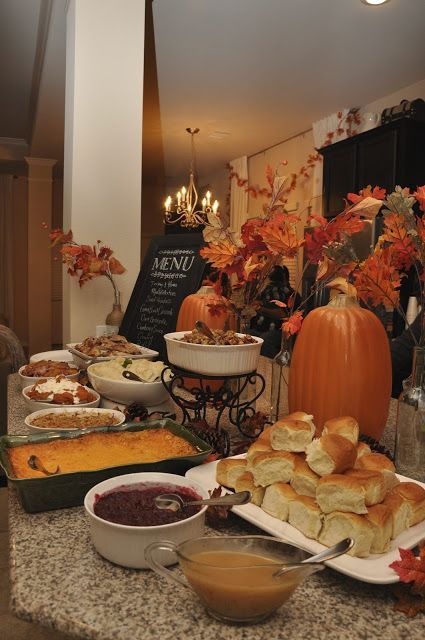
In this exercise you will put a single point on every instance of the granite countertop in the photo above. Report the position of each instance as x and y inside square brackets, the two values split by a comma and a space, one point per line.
[59, 580]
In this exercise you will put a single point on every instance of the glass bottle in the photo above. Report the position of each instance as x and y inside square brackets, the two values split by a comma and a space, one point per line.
[245, 389]
[410, 429]
[280, 379]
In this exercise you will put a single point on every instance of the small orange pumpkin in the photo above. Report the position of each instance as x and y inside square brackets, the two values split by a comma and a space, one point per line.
[341, 365]
[195, 307]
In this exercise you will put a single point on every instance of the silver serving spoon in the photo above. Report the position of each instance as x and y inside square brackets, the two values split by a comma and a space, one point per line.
[173, 502]
[333, 552]
[35, 463]
[204, 328]
[130, 375]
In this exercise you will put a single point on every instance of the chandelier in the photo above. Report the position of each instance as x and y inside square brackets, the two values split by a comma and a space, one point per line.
[184, 211]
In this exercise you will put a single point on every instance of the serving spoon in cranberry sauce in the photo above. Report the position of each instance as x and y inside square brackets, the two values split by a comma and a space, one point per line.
[174, 502]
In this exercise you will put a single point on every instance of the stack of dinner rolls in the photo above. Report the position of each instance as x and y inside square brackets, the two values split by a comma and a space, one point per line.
[329, 488]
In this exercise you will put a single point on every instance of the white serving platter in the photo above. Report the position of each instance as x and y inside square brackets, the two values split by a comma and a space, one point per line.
[82, 359]
[374, 569]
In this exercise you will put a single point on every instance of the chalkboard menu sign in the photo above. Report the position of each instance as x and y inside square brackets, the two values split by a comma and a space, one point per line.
[171, 270]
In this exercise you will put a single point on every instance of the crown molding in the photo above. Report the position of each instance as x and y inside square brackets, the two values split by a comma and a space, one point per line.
[40, 162]
[13, 148]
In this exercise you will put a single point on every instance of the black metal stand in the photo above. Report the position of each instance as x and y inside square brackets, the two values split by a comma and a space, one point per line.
[196, 398]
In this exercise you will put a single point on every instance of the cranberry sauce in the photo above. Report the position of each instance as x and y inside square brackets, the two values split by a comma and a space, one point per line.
[134, 505]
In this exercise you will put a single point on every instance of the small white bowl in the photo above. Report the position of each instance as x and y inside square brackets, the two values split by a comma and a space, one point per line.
[127, 391]
[125, 545]
[27, 381]
[118, 415]
[35, 405]
[83, 360]
[213, 359]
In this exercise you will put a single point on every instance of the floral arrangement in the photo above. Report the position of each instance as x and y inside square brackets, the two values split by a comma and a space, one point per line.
[400, 247]
[87, 261]
[246, 259]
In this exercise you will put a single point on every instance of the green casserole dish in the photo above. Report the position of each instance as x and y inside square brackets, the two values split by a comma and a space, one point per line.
[68, 489]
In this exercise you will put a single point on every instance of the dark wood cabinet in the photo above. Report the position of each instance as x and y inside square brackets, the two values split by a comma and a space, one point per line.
[389, 155]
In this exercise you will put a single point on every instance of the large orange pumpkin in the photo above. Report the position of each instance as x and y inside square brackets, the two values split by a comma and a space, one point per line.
[341, 365]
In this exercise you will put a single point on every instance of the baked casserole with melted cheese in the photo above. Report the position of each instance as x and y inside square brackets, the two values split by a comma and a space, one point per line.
[99, 450]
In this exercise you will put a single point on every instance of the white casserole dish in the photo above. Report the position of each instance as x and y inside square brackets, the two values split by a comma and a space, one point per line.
[213, 359]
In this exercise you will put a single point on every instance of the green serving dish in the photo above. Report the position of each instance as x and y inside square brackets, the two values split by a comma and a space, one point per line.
[68, 489]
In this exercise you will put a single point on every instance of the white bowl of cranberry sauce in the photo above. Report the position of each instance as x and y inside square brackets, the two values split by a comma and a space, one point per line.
[124, 519]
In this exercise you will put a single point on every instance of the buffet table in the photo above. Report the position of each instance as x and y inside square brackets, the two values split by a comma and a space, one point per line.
[58, 580]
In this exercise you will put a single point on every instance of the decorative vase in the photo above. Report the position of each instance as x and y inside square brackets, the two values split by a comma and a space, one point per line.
[341, 366]
[410, 429]
[280, 379]
[114, 318]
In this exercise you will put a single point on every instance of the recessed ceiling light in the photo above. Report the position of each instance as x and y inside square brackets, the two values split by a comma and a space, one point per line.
[374, 2]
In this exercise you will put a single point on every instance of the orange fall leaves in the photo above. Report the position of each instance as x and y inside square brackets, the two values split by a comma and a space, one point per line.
[85, 261]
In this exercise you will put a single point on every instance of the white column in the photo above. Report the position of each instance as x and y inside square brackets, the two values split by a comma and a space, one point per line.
[103, 148]
[39, 254]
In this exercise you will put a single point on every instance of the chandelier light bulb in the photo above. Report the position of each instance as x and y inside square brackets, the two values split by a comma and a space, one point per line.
[374, 3]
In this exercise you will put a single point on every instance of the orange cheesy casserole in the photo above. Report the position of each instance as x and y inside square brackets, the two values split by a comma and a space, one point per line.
[98, 450]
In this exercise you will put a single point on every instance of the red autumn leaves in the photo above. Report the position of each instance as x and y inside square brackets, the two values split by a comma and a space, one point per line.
[263, 242]
[85, 261]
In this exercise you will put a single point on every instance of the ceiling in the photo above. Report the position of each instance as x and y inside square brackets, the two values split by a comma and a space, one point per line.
[248, 73]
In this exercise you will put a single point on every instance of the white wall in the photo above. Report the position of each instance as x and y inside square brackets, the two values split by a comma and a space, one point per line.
[102, 164]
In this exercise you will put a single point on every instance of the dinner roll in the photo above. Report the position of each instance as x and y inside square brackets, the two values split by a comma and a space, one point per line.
[338, 492]
[414, 495]
[339, 525]
[245, 482]
[291, 435]
[228, 470]
[363, 449]
[400, 513]
[265, 436]
[305, 417]
[373, 483]
[305, 515]
[259, 446]
[273, 466]
[276, 500]
[304, 480]
[379, 517]
[378, 462]
[345, 426]
[330, 454]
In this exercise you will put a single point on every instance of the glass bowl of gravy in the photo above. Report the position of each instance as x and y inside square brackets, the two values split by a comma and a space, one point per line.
[235, 577]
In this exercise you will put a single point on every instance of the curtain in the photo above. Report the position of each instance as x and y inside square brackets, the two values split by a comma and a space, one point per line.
[6, 236]
[238, 195]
